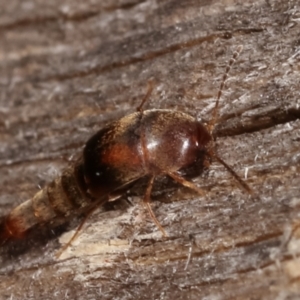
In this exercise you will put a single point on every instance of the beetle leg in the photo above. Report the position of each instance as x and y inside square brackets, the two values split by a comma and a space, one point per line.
[186, 183]
[146, 202]
[68, 244]
[149, 91]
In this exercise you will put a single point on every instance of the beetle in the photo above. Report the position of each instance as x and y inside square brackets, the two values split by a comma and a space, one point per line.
[146, 143]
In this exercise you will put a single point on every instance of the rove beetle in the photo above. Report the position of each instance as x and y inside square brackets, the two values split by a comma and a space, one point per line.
[147, 143]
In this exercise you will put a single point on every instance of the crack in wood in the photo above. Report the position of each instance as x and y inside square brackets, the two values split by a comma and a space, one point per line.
[80, 16]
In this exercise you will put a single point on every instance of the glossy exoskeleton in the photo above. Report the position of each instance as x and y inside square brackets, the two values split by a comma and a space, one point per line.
[147, 143]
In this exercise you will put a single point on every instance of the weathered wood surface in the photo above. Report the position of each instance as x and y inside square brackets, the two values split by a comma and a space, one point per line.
[67, 68]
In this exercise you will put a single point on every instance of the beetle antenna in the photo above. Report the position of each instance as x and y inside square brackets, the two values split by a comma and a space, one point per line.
[213, 121]
[242, 183]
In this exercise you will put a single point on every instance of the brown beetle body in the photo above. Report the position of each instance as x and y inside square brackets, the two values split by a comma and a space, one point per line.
[143, 144]
[153, 142]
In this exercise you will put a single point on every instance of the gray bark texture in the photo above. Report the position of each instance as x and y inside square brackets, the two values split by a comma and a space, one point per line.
[67, 68]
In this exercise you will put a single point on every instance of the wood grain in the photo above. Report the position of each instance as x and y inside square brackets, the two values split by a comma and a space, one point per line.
[68, 68]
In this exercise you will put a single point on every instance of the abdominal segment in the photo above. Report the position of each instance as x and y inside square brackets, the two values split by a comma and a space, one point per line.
[62, 198]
